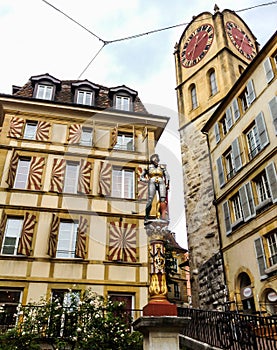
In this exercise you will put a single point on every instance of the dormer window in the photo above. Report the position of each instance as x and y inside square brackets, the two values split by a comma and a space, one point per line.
[123, 103]
[44, 92]
[85, 92]
[45, 86]
[85, 97]
[122, 98]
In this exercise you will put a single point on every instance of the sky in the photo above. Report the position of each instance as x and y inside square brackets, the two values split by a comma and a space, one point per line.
[37, 39]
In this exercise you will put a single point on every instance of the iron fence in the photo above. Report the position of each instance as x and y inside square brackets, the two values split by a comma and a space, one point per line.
[228, 330]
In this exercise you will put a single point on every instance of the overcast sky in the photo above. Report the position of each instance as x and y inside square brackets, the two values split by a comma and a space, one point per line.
[37, 39]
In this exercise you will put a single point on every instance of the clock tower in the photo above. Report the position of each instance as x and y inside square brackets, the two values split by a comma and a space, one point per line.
[211, 54]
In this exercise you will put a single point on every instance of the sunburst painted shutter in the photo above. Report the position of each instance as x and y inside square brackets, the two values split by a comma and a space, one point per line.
[84, 176]
[75, 132]
[57, 176]
[142, 186]
[16, 127]
[2, 227]
[105, 179]
[53, 237]
[12, 169]
[27, 233]
[42, 133]
[122, 242]
[35, 173]
[273, 110]
[81, 238]
[114, 134]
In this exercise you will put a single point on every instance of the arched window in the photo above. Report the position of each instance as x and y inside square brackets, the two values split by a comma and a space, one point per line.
[193, 95]
[246, 293]
[213, 85]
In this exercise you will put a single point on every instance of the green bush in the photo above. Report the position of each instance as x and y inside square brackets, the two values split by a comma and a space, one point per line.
[88, 322]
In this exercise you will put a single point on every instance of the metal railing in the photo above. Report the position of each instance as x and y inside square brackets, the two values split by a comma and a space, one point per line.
[228, 330]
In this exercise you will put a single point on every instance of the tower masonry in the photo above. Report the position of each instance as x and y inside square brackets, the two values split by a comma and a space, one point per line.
[212, 52]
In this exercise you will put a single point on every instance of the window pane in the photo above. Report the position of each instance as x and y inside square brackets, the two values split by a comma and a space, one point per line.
[84, 97]
[67, 240]
[45, 92]
[125, 142]
[128, 184]
[71, 177]
[86, 137]
[116, 183]
[11, 237]
[22, 173]
[122, 102]
[30, 130]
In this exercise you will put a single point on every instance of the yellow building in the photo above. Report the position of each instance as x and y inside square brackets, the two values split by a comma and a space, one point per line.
[71, 205]
[210, 56]
[243, 147]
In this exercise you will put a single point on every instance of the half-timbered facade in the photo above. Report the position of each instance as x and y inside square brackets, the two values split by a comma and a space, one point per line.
[71, 204]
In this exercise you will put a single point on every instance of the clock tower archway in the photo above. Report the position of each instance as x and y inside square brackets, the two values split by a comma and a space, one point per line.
[211, 54]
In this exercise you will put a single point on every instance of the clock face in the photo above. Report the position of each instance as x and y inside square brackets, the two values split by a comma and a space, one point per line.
[240, 40]
[197, 45]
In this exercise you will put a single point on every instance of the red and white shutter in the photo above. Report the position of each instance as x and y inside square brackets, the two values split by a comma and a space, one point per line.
[35, 173]
[57, 176]
[122, 242]
[53, 237]
[16, 127]
[105, 179]
[27, 233]
[84, 177]
[81, 238]
[142, 186]
[3, 223]
[42, 133]
[12, 169]
[75, 132]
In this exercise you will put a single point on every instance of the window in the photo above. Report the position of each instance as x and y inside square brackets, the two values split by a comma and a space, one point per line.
[213, 84]
[69, 302]
[247, 96]
[86, 137]
[85, 97]
[123, 183]
[9, 300]
[257, 137]
[193, 95]
[12, 235]
[223, 125]
[44, 92]
[262, 187]
[71, 177]
[22, 173]
[236, 111]
[122, 102]
[237, 209]
[125, 141]
[30, 130]
[67, 239]
[230, 166]
[253, 142]
[272, 247]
